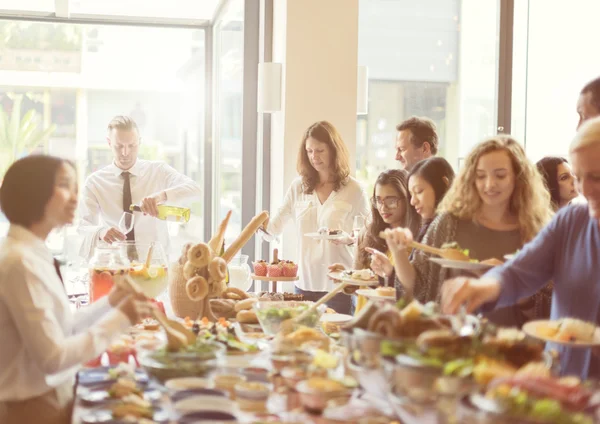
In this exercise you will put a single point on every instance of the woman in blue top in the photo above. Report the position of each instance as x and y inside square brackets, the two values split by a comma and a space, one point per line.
[567, 251]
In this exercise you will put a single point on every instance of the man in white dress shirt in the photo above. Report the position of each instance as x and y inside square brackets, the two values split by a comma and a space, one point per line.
[110, 191]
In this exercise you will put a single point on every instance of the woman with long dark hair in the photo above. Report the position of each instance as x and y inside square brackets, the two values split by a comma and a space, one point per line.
[428, 183]
[43, 342]
[559, 180]
[390, 208]
[323, 196]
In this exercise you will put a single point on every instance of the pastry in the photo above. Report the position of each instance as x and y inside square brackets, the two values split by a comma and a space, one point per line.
[217, 269]
[199, 255]
[197, 288]
[290, 269]
[260, 268]
[386, 291]
[246, 304]
[247, 317]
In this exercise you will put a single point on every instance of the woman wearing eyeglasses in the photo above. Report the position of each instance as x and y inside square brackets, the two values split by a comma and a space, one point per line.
[323, 196]
[390, 208]
[496, 204]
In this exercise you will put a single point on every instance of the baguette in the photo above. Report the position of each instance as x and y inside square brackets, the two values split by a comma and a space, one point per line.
[216, 241]
[245, 235]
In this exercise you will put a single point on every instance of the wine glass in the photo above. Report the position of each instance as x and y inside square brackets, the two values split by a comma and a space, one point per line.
[357, 225]
[126, 222]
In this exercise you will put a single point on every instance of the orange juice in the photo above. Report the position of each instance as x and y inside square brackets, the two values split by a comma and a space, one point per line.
[102, 281]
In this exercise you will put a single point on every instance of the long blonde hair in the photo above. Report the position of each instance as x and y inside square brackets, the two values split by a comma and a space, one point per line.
[529, 201]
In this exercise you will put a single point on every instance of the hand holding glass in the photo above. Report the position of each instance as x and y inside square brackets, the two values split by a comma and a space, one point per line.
[126, 223]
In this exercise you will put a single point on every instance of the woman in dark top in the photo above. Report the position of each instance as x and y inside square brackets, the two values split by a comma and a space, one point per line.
[428, 182]
[559, 180]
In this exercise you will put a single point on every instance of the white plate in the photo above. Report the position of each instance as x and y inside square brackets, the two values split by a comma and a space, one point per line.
[509, 257]
[531, 329]
[339, 275]
[469, 266]
[336, 318]
[317, 236]
[372, 294]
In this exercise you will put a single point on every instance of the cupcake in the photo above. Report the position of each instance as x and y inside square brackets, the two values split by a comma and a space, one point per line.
[275, 269]
[260, 268]
[120, 352]
[290, 269]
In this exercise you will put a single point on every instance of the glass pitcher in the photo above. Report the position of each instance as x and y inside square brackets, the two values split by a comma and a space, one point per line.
[154, 279]
[106, 265]
[239, 272]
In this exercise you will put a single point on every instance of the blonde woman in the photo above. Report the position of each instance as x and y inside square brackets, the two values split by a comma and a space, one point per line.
[324, 195]
[497, 204]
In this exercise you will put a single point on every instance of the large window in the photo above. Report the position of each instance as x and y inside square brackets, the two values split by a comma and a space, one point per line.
[434, 58]
[550, 68]
[69, 80]
[227, 115]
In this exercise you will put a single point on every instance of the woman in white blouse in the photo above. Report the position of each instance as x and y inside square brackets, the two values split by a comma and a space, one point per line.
[43, 342]
[324, 195]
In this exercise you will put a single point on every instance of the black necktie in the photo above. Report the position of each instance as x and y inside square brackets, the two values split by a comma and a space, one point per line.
[127, 200]
[57, 267]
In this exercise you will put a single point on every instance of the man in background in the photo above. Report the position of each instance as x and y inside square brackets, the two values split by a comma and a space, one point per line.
[416, 140]
[588, 104]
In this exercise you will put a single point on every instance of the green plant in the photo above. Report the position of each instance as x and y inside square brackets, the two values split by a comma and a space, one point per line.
[19, 135]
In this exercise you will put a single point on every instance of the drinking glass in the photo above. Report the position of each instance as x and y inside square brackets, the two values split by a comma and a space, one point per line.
[357, 225]
[126, 222]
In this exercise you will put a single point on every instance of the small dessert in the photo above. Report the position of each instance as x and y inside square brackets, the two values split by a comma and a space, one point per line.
[386, 291]
[133, 406]
[252, 396]
[575, 330]
[293, 297]
[275, 269]
[150, 324]
[324, 231]
[290, 269]
[363, 274]
[227, 382]
[124, 387]
[260, 268]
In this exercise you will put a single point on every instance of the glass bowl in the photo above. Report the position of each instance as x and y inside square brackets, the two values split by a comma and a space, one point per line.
[271, 314]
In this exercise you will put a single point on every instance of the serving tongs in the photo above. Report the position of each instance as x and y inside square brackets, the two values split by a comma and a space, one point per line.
[178, 336]
[444, 252]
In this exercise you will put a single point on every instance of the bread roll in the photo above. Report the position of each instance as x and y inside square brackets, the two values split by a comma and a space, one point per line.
[247, 317]
[246, 304]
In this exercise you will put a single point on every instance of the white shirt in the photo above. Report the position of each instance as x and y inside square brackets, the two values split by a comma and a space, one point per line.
[101, 204]
[307, 212]
[42, 341]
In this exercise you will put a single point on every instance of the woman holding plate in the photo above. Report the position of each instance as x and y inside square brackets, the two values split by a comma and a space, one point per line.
[390, 208]
[497, 204]
[324, 196]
